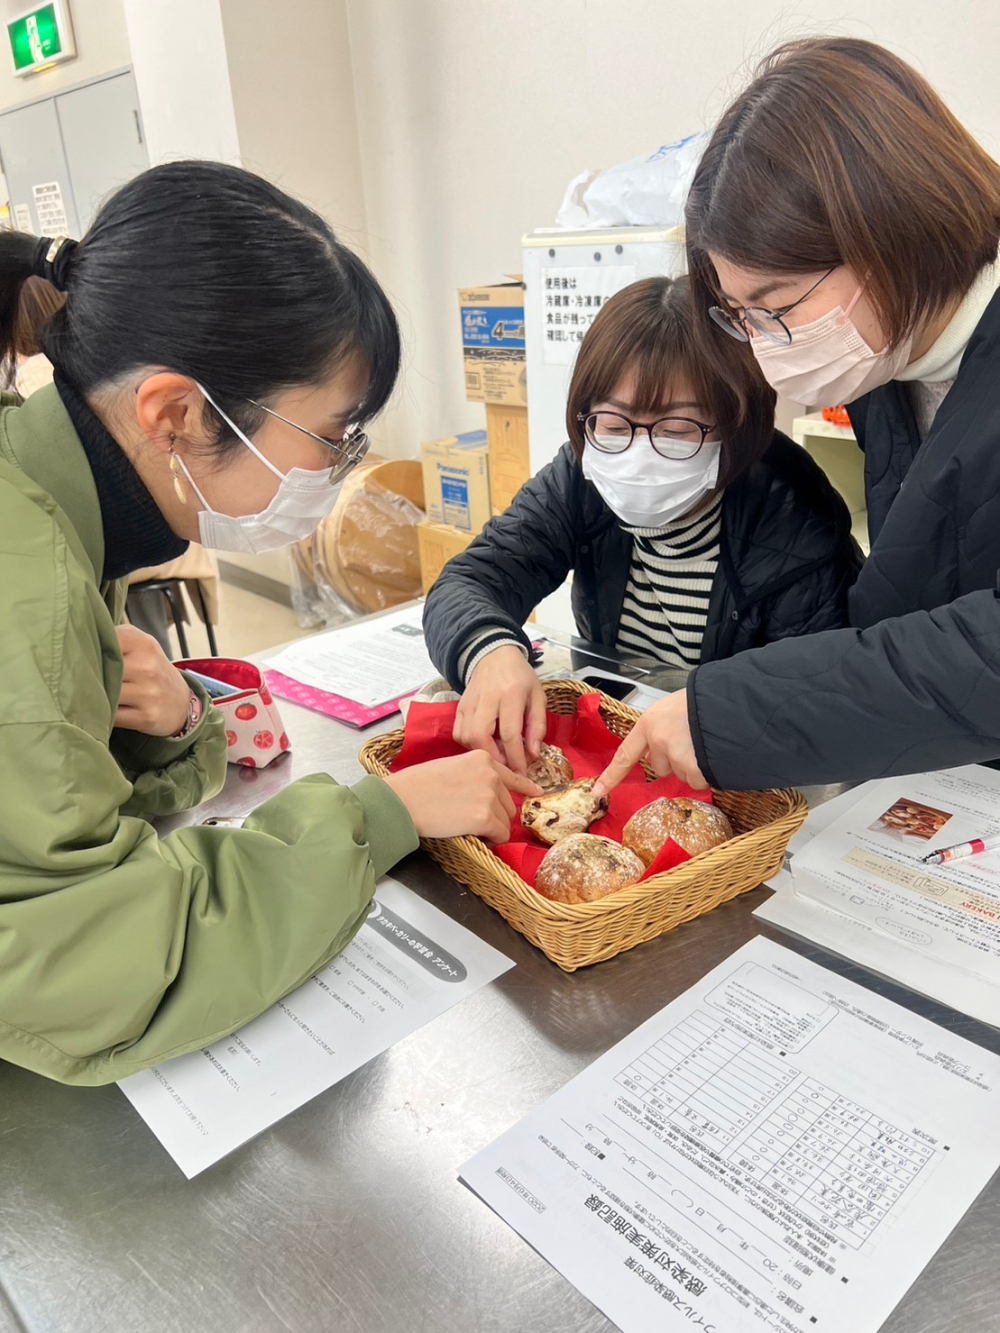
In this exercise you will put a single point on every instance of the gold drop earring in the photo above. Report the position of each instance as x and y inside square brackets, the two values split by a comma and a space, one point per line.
[175, 472]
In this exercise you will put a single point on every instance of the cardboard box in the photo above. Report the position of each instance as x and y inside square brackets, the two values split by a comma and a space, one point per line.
[510, 462]
[457, 480]
[437, 544]
[493, 344]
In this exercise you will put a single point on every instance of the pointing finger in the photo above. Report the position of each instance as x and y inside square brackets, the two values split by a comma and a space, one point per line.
[631, 750]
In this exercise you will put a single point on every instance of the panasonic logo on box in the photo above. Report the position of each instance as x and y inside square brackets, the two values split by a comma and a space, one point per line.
[457, 481]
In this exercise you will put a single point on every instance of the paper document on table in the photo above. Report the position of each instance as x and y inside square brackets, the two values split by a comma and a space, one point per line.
[407, 964]
[819, 818]
[778, 1149]
[370, 663]
[934, 928]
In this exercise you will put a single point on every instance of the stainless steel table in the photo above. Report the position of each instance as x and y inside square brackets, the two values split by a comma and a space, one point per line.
[348, 1215]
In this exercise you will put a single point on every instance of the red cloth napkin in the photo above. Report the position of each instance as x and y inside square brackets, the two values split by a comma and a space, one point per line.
[587, 744]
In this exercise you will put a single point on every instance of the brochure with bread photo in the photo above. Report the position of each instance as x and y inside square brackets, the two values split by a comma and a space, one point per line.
[907, 818]
[867, 868]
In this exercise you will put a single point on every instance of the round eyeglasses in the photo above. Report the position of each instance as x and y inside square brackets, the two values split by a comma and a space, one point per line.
[769, 324]
[671, 437]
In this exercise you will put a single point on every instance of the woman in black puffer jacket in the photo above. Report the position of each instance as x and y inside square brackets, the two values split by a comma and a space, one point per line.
[693, 529]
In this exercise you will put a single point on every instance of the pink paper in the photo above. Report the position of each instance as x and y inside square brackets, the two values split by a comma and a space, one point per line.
[332, 705]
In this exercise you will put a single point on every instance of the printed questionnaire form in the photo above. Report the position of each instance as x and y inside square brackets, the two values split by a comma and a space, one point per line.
[776, 1149]
[408, 963]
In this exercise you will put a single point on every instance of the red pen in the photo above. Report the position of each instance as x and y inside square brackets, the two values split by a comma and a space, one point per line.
[960, 850]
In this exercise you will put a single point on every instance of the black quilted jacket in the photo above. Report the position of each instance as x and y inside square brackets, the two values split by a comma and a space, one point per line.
[916, 685]
[786, 561]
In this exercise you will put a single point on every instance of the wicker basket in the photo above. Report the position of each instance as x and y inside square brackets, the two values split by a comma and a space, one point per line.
[575, 935]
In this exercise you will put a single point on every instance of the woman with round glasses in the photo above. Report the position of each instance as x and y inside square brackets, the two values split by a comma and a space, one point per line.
[692, 528]
[215, 346]
[846, 226]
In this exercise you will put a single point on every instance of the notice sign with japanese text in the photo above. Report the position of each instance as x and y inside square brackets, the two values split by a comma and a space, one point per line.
[572, 298]
[778, 1149]
[51, 210]
[407, 964]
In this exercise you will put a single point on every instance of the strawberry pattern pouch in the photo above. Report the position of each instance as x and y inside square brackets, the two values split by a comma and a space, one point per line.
[254, 730]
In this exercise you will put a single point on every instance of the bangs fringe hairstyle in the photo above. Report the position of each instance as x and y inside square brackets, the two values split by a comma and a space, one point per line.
[646, 331]
[840, 153]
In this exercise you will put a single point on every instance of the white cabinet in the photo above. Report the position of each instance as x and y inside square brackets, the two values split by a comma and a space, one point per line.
[87, 140]
[102, 136]
[32, 151]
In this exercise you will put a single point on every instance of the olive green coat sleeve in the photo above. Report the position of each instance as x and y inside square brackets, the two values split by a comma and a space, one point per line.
[119, 949]
[169, 775]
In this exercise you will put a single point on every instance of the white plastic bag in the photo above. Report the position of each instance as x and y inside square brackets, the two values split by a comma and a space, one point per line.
[649, 191]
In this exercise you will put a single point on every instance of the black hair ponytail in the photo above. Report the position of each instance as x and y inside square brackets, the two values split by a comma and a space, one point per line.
[210, 271]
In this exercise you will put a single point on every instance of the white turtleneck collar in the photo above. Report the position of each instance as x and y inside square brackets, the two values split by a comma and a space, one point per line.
[941, 360]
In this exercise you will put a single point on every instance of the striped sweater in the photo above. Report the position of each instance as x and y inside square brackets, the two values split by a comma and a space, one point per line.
[669, 585]
[665, 609]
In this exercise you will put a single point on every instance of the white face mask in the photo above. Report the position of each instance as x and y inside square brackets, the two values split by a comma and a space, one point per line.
[647, 491]
[828, 363]
[303, 499]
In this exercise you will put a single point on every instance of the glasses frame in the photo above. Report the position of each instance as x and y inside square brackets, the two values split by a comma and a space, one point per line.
[735, 324]
[584, 419]
[348, 451]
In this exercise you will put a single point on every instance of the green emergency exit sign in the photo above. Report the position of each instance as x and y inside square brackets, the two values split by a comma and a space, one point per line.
[40, 37]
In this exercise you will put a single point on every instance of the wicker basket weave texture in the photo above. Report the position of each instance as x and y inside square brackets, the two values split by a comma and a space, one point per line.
[574, 935]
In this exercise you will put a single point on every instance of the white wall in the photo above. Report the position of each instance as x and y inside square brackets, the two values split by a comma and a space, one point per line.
[101, 45]
[289, 70]
[178, 56]
[293, 98]
[434, 133]
[473, 115]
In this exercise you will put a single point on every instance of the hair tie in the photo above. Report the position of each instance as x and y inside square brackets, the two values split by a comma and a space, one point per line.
[53, 257]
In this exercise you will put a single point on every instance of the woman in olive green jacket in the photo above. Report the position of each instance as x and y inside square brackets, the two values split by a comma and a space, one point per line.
[215, 357]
